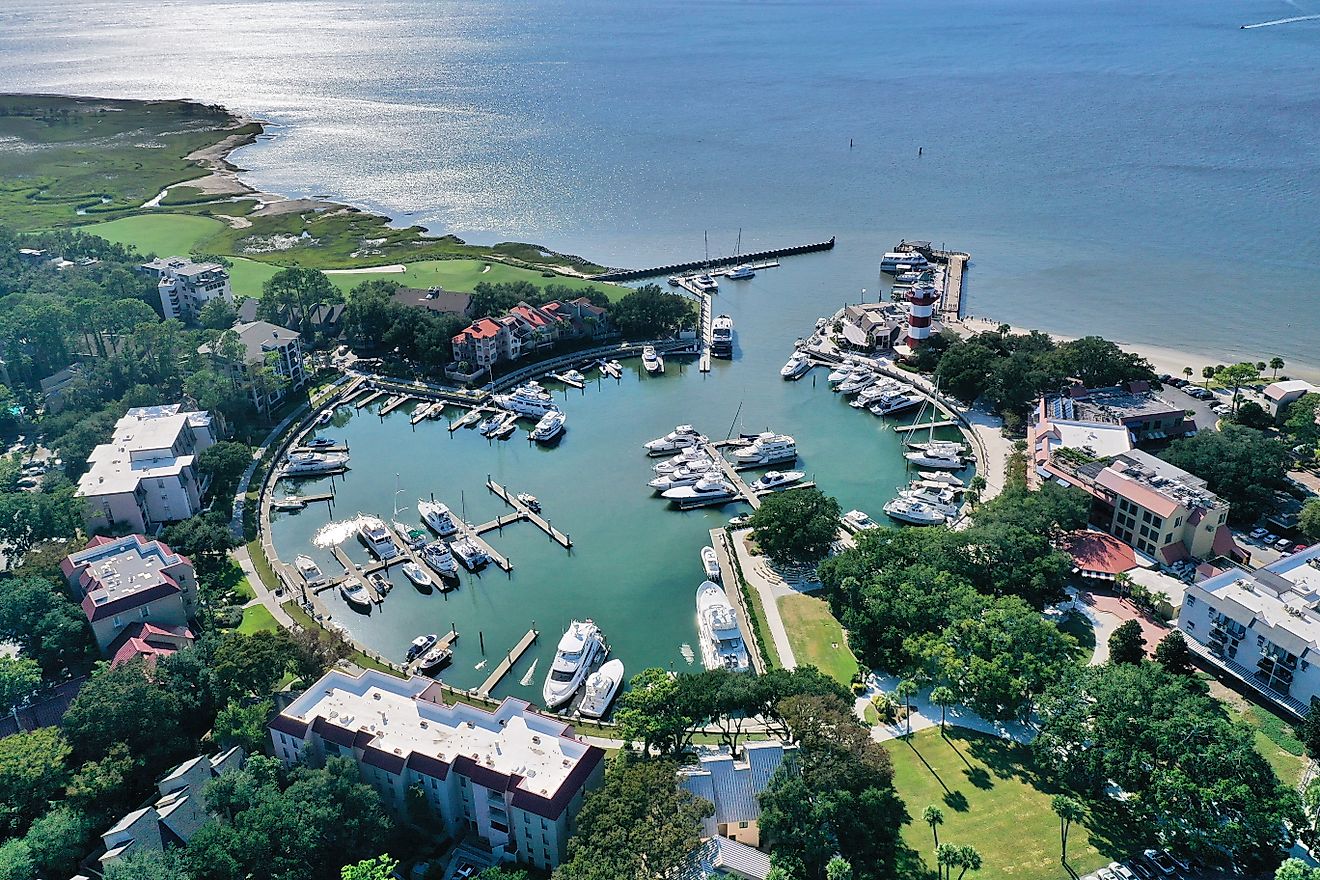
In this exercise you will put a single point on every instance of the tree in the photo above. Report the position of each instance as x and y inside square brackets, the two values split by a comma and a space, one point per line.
[797, 526]
[903, 693]
[640, 823]
[650, 312]
[1127, 644]
[58, 841]
[1295, 869]
[838, 868]
[947, 858]
[1308, 731]
[964, 370]
[1097, 362]
[16, 860]
[19, 677]
[969, 859]
[1236, 376]
[649, 712]
[1069, 810]
[1253, 415]
[42, 620]
[223, 464]
[148, 864]
[380, 868]
[1309, 520]
[243, 725]
[934, 817]
[33, 771]
[218, 314]
[1241, 465]
[944, 697]
[1187, 372]
[1276, 364]
[204, 538]
[500, 872]
[124, 705]
[1172, 653]
[249, 665]
[289, 296]
[1207, 373]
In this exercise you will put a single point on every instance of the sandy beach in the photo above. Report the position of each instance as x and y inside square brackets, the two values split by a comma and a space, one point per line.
[1165, 360]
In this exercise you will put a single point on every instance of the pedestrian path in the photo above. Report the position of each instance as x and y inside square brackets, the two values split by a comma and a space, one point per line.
[925, 714]
[757, 578]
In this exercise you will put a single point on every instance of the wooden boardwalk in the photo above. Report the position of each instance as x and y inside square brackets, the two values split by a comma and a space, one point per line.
[571, 383]
[951, 302]
[744, 491]
[502, 668]
[528, 514]
[394, 403]
[369, 399]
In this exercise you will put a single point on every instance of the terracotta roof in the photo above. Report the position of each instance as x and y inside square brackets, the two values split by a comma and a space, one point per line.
[484, 328]
[1174, 552]
[1099, 552]
[1224, 545]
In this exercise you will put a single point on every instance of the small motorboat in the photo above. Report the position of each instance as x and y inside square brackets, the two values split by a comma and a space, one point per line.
[529, 500]
[421, 645]
[320, 442]
[711, 563]
[308, 568]
[325, 417]
[418, 575]
[433, 659]
[288, 502]
[858, 521]
[740, 273]
[600, 689]
[772, 480]
[575, 376]
[355, 593]
[381, 582]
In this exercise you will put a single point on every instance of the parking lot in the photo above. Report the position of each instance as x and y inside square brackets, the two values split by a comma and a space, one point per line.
[1202, 412]
[1154, 865]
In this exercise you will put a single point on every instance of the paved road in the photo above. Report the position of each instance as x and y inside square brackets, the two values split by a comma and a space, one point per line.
[1204, 417]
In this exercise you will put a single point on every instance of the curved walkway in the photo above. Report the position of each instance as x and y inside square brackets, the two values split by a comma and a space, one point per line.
[925, 714]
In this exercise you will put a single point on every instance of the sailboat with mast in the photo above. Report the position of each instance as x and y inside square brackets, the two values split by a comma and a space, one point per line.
[740, 271]
[705, 282]
[935, 454]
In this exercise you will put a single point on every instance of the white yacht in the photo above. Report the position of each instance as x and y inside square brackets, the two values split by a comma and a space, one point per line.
[711, 563]
[469, 553]
[505, 429]
[842, 372]
[528, 399]
[421, 645]
[767, 448]
[575, 376]
[741, 273]
[415, 538]
[891, 262]
[325, 417]
[938, 454]
[488, 425]
[310, 571]
[355, 592]
[939, 477]
[917, 513]
[894, 402]
[578, 649]
[857, 381]
[433, 659]
[377, 537]
[858, 521]
[415, 573]
[933, 493]
[321, 443]
[682, 477]
[681, 437]
[600, 689]
[777, 480]
[301, 463]
[705, 282]
[438, 556]
[722, 645]
[549, 427]
[909, 277]
[796, 367]
[721, 337]
[690, 458]
[710, 489]
[875, 391]
[287, 503]
[651, 360]
[437, 517]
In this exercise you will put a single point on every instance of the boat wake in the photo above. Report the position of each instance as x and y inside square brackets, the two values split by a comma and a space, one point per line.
[334, 533]
[1261, 24]
[686, 650]
[527, 679]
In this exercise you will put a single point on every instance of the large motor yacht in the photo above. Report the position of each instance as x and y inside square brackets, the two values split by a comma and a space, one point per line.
[600, 689]
[767, 448]
[796, 367]
[469, 553]
[710, 489]
[682, 477]
[437, 517]
[651, 360]
[376, 536]
[310, 463]
[859, 521]
[894, 402]
[722, 645]
[528, 399]
[441, 559]
[938, 454]
[694, 457]
[721, 337]
[549, 427]
[772, 480]
[578, 649]
[682, 437]
[917, 513]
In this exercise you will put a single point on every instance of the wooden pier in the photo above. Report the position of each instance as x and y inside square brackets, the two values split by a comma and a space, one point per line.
[502, 668]
[394, 403]
[446, 641]
[471, 417]
[368, 400]
[950, 305]
[320, 496]
[714, 262]
[423, 412]
[707, 328]
[726, 467]
[528, 514]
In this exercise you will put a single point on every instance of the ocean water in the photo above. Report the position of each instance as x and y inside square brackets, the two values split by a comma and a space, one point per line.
[1147, 171]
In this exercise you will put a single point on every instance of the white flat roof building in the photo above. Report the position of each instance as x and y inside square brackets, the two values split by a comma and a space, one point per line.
[185, 287]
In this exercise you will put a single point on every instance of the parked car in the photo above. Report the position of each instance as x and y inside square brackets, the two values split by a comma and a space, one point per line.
[1257, 534]
[1141, 869]
[1282, 545]
[1122, 871]
[1106, 874]
[1269, 538]
[1298, 548]
[1160, 860]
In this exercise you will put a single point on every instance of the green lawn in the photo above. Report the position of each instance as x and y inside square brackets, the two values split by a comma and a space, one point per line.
[993, 799]
[1276, 740]
[257, 619]
[816, 637]
[166, 235]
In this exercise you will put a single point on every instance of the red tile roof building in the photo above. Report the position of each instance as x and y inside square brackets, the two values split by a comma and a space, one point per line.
[526, 328]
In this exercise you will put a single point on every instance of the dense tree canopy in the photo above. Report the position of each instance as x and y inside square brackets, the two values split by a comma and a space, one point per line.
[796, 526]
[1240, 464]
[650, 312]
[43, 621]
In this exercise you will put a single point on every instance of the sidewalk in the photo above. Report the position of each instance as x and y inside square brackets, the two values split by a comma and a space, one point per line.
[754, 569]
[925, 715]
[263, 595]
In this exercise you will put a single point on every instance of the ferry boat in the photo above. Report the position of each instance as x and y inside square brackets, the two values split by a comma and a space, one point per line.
[681, 477]
[528, 399]
[721, 337]
[722, 645]
[421, 645]
[705, 282]
[600, 689]
[305, 463]
[710, 489]
[894, 402]
[771, 480]
[310, 571]
[741, 273]
[469, 553]
[549, 427]
[578, 648]
[796, 367]
[858, 521]
[692, 456]
[415, 573]
[355, 592]
[437, 555]
[681, 437]
[437, 517]
[651, 360]
[938, 454]
[711, 563]
[377, 537]
[433, 659]
[917, 513]
[891, 262]
[767, 448]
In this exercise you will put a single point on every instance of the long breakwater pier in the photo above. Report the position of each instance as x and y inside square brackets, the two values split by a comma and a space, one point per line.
[714, 262]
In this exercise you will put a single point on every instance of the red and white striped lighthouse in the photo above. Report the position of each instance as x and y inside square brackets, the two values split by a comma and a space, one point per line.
[921, 309]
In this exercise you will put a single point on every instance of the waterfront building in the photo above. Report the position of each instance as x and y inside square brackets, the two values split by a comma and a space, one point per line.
[1262, 627]
[525, 329]
[434, 299]
[175, 815]
[1080, 417]
[122, 583]
[185, 287]
[512, 777]
[719, 858]
[921, 301]
[267, 360]
[146, 475]
[734, 786]
[872, 327]
[1279, 395]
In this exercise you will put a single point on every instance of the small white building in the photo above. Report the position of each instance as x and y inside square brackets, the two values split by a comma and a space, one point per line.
[146, 475]
[185, 286]
[261, 345]
[1263, 627]
[512, 777]
[1279, 394]
[734, 786]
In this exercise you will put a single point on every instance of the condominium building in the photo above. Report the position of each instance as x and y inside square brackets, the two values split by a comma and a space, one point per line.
[512, 777]
[527, 328]
[122, 583]
[267, 360]
[146, 475]
[1262, 626]
[734, 785]
[185, 287]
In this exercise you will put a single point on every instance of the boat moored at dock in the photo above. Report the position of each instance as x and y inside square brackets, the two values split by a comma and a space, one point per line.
[299, 464]
[772, 480]
[550, 426]
[418, 575]
[710, 561]
[600, 688]
[916, 513]
[859, 521]
[710, 489]
[310, 571]
[681, 477]
[796, 367]
[528, 399]
[937, 454]
[722, 644]
[903, 261]
[377, 537]
[578, 648]
[651, 360]
[767, 448]
[721, 337]
[469, 554]
[355, 592]
[437, 517]
[681, 437]
[421, 645]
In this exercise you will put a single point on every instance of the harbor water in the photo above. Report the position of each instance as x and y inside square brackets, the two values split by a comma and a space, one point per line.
[635, 564]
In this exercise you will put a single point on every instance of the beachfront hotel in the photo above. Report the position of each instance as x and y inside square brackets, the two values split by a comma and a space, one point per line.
[509, 780]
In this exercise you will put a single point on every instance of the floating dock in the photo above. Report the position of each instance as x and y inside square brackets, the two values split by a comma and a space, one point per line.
[368, 400]
[471, 417]
[502, 668]
[394, 403]
[525, 512]
[946, 423]
[745, 492]
[762, 257]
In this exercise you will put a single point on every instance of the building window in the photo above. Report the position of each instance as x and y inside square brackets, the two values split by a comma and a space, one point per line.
[1191, 625]
[1191, 600]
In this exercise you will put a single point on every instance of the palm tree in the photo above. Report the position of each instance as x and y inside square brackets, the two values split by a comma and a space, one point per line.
[1069, 811]
[934, 817]
[1123, 583]
[943, 697]
[904, 691]
[1187, 371]
[1276, 364]
[946, 858]
[1207, 373]
[968, 859]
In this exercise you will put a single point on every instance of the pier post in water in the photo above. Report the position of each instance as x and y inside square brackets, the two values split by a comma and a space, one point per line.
[481, 636]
